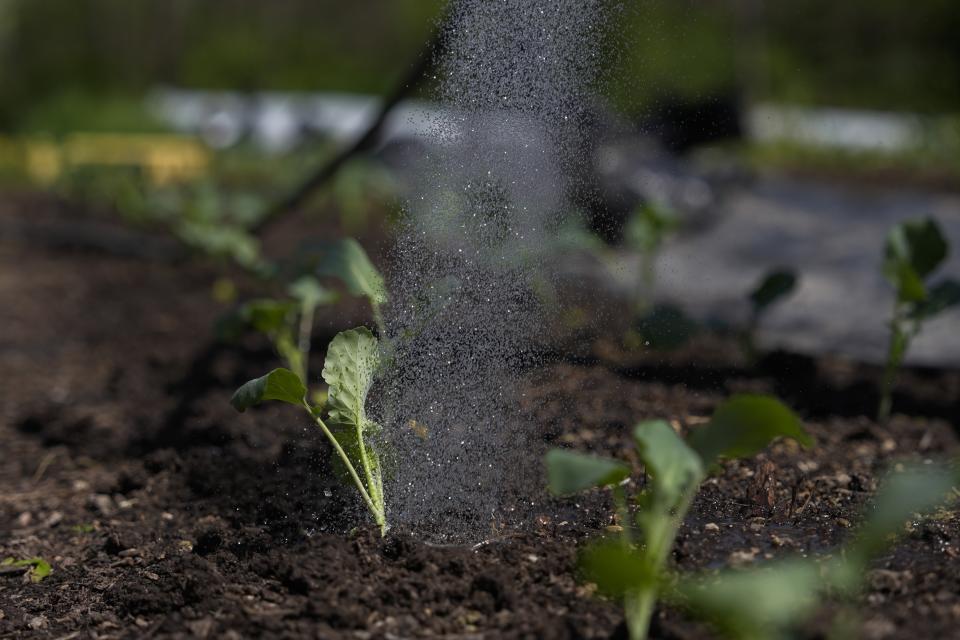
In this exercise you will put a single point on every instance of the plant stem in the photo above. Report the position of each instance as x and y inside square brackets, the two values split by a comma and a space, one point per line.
[303, 344]
[897, 349]
[377, 513]
[376, 497]
[639, 605]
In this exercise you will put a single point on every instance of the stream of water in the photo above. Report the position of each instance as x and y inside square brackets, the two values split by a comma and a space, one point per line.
[470, 286]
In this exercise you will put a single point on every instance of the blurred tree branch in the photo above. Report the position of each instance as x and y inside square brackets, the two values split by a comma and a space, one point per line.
[366, 141]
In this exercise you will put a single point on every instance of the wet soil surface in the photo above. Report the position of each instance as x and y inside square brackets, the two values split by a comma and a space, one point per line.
[221, 525]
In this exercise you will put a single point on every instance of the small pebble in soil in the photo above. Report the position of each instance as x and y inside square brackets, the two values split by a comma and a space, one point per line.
[38, 623]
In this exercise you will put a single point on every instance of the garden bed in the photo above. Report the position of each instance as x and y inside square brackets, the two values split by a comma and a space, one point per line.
[227, 525]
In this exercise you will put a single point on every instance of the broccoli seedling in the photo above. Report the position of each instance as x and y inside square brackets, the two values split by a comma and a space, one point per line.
[634, 567]
[762, 603]
[645, 232]
[767, 602]
[353, 358]
[914, 249]
[351, 362]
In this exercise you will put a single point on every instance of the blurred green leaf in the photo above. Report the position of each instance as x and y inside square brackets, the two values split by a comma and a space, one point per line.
[346, 259]
[940, 298]
[615, 568]
[39, 568]
[311, 293]
[570, 472]
[774, 286]
[280, 384]
[759, 604]
[914, 248]
[648, 227]
[916, 489]
[673, 466]
[744, 425]
[270, 317]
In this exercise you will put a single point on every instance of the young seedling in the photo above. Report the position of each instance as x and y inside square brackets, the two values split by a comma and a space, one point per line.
[634, 567]
[36, 568]
[914, 250]
[772, 288]
[766, 602]
[346, 260]
[352, 360]
[288, 323]
[646, 231]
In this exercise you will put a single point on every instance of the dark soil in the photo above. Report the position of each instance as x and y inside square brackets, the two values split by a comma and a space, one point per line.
[221, 525]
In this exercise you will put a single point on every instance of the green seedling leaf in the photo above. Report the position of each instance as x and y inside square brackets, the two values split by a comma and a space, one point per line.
[760, 604]
[776, 285]
[913, 250]
[280, 384]
[570, 472]
[311, 293]
[270, 317]
[615, 568]
[39, 568]
[744, 425]
[673, 466]
[351, 362]
[915, 490]
[648, 227]
[940, 298]
[346, 259]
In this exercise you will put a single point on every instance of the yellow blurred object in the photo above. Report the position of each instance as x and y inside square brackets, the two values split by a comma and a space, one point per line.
[166, 158]
[43, 161]
[224, 290]
[419, 429]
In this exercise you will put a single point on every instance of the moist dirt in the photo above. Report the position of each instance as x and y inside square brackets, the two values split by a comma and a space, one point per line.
[165, 514]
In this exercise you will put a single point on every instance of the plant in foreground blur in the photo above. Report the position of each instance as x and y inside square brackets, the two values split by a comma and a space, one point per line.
[635, 566]
[914, 249]
[645, 232]
[757, 604]
[352, 361]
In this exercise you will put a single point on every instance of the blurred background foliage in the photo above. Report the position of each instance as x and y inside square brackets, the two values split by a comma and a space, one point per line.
[85, 64]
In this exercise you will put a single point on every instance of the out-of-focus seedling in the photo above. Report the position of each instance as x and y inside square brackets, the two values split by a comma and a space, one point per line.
[635, 566]
[346, 260]
[287, 323]
[914, 249]
[36, 568]
[774, 287]
[645, 232]
[352, 360]
[767, 602]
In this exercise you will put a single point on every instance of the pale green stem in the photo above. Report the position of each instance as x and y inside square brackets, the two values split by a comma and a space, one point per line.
[376, 498]
[377, 513]
[639, 605]
[897, 349]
